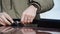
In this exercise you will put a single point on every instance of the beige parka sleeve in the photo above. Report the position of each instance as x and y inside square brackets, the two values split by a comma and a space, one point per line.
[44, 5]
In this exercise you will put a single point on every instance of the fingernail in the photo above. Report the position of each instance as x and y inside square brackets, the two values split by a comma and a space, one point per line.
[12, 21]
[10, 24]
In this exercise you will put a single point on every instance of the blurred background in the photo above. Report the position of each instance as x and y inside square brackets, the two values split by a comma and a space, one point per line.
[53, 13]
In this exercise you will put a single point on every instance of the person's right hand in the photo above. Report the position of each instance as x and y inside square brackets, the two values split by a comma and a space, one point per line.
[3, 19]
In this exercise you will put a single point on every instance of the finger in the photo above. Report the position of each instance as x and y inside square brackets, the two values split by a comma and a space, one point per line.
[2, 22]
[5, 20]
[8, 17]
[22, 19]
[25, 19]
[30, 18]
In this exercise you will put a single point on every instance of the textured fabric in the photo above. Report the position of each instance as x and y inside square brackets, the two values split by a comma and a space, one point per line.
[45, 5]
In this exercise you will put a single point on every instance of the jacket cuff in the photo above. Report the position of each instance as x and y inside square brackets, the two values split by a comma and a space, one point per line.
[35, 4]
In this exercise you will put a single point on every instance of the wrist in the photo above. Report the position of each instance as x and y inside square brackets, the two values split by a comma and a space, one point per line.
[34, 8]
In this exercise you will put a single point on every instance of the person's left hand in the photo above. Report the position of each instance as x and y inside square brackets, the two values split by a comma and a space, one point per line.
[28, 15]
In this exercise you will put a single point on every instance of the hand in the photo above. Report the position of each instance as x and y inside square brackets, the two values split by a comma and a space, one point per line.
[3, 19]
[28, 15]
